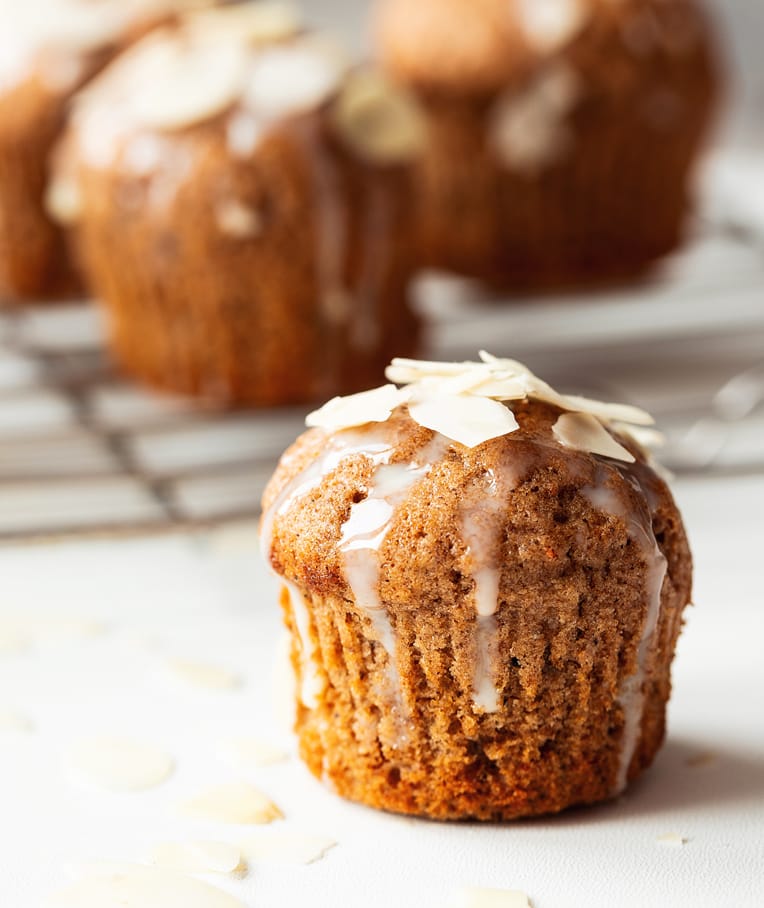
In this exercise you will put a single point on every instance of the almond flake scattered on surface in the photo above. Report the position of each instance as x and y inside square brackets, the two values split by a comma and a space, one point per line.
[237, 802]
[202, 674]
[20, 631]
[672, 839]
[10, 720]
[141, 887]
[198, 857]
[704, 758]
[254, 752]
[120, 764]
[584, 432]
[475, 897]
[12, 641]
[287, 847]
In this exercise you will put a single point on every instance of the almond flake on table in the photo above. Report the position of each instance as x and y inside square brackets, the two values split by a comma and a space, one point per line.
[141, 887]
[704, 758]
[12, 640]
[198, 857]
[254, 752]
[287, 847]
[120, 764]
[19, 631]
[13, 721]
[475, 897]
[672, 839]
[203, 674]
[236, 802]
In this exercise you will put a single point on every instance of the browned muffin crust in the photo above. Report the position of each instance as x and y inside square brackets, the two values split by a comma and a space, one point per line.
[554, 164]
[576, 553]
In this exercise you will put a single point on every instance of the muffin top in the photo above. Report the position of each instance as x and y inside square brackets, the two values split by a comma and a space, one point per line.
[479, 46]
[396, 491]
[251, 64]
[52, 39]
[237, 72]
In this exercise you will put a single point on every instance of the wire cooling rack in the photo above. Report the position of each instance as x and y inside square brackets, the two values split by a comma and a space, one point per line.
[82, 450]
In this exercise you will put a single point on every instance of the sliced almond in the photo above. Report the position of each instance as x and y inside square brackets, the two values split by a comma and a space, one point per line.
[198, 857]
[13, 721]
[251, 752]
[379, 121]
[120, 764]
[292, 79]
[474, 897]
[236, 802]
[287, 847]
[202, 674]
[358, 409]
[141, 887]
[465, 419]
[672, 839]
[255, 23]
[584, 432]
[195, 83]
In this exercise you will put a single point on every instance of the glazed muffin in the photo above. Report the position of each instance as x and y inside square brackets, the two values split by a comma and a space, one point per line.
[563, 132]
[240, 199]
[484, 583]
[48, 49]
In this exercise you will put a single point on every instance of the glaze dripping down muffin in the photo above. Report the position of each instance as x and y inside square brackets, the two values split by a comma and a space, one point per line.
[49, 49]
[239, 194]
[484, 582]
[563, 133]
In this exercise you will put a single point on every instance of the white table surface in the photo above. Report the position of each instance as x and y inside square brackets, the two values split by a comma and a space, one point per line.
[209, 597]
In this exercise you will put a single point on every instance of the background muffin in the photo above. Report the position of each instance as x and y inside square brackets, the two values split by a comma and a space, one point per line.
[484, 581]
[563, 132]
[240, 198]
[48, 49]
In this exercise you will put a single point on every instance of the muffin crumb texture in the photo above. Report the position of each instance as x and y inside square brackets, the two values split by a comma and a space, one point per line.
[479, 630]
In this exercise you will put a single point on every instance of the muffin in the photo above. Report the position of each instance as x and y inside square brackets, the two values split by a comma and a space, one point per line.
[48, 49]
[484, 582]
[563, 133]
[240, 196]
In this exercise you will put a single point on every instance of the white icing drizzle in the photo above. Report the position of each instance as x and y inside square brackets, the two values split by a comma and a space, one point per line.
[631, 696]
[373, 442]
[482, 523]
[366, 528]
[485, 694]
[311, 683]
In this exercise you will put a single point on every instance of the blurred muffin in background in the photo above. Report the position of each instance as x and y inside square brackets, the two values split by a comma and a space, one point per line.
[563, 132]
[239, 195]
[48, 49]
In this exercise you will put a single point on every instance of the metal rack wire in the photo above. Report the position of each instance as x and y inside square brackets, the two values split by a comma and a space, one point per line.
[84, 451]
